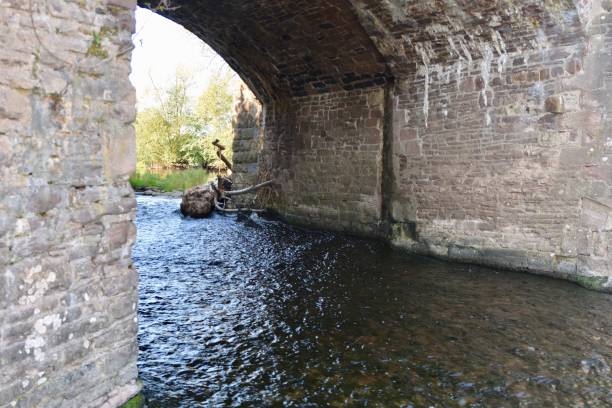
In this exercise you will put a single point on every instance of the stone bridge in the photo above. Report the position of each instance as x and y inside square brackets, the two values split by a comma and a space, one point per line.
[470, 130]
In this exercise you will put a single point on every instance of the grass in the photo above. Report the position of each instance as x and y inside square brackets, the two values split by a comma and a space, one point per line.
[174, 180]
[136, 402]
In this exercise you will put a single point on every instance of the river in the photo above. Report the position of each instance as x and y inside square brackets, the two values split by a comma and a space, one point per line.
[255, 313]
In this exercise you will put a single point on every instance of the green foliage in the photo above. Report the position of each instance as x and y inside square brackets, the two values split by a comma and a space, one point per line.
[592, 282]
[177, 180]
[214, 108]
[137, 401]
[95, 46]
[172, 134]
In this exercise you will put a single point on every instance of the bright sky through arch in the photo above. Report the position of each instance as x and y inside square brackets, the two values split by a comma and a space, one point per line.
[161, 48]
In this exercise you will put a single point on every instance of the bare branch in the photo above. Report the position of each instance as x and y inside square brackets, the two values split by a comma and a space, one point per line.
[236, 210]
[220, 155]
[218, 145]
[249, 189]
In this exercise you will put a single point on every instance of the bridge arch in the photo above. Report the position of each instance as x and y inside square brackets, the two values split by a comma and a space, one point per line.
[286, 49]
[475, 131]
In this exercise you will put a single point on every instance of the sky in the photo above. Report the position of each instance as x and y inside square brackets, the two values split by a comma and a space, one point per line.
[161, 48]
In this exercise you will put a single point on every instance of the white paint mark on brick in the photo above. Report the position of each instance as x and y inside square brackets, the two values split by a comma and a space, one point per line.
[33, 342]
[22, 226]
[39, 285]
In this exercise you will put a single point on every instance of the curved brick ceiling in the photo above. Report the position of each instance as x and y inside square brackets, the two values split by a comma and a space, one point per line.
[286, 47]
[411, 33]
[301, 47]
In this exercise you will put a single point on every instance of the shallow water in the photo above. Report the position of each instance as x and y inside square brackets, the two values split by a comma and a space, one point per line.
[257, 313]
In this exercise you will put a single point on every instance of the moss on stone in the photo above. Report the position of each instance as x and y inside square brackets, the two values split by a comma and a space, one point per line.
[56, 101]
[95, 46]
[136, 402]
[403, 231]
[592, 282]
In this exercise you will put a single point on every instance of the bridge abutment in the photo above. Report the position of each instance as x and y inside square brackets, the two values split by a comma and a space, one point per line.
[480, 135]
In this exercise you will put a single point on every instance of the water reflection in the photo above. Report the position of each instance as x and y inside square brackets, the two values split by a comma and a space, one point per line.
[258, 313]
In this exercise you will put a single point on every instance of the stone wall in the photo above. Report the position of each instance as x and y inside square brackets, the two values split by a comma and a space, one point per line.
[496, 149]
[329, 163]
[248, 124]
[248, 137]
[504, 160]
[67, 287]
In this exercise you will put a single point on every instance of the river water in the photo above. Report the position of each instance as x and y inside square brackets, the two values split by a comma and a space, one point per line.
[255, 313]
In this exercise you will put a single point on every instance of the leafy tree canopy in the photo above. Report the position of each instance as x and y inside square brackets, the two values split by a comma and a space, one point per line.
[177, 132]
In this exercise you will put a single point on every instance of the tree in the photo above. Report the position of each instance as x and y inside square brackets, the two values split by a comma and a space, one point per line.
[173, 134]
[214, 108]
[151, 130]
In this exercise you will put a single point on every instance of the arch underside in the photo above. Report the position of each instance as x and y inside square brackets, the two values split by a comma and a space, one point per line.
[285, 48]
[449, 127]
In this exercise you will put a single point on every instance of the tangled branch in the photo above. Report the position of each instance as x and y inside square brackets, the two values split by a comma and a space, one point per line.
[220, 154]
[249, 189]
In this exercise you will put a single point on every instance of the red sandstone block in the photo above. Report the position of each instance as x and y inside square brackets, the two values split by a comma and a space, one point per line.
[372, 122]
[519, 77]
[533, 76]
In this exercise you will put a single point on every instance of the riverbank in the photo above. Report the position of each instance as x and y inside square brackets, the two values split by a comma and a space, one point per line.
[158, 193]
[169, 181]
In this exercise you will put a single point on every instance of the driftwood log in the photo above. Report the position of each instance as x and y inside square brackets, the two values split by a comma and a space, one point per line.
[200, 201]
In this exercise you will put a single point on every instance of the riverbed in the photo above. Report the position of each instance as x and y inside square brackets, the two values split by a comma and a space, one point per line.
[252, 312]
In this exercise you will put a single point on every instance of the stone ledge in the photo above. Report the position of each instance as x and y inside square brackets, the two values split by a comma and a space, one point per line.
[508, 259]
[124, 397]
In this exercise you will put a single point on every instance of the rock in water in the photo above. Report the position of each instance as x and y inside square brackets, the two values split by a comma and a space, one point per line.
[198, 202]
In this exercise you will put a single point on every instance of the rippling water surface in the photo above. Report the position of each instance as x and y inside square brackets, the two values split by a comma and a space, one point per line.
[257, 313]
